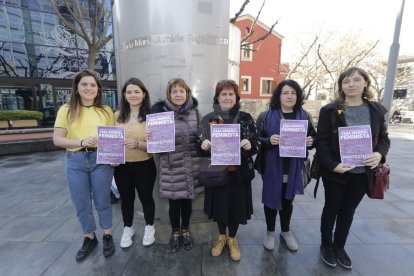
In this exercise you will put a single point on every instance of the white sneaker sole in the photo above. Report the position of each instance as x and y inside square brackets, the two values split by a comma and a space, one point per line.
[126, 245]
[148, 243]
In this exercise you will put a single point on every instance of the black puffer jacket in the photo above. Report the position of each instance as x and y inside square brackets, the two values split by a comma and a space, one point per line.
[179, 169]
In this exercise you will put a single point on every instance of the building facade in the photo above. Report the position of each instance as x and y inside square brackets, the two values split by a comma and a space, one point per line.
[39, 57]
[260, 64]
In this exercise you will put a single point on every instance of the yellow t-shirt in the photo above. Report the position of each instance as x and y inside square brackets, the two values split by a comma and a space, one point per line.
[136, 131]
[87, 125]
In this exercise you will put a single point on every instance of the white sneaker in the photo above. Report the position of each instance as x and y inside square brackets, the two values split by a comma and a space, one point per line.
[148, 238]
[126, 240]
[269, 240]
[290, 241]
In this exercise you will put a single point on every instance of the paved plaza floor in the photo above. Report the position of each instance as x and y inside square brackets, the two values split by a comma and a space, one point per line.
[40, 234]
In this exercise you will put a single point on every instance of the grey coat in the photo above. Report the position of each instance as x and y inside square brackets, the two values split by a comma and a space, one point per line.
[178, 170]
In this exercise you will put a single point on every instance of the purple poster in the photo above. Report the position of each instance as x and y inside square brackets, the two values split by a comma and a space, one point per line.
[111, 149]
[355, 143]
[162, 128]
[225, 144]
[293, 138]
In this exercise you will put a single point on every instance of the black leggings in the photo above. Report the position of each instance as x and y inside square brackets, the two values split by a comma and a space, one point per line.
[341, 200]
[233, 227]
[285, 214]
[180, 208]
[138, 176]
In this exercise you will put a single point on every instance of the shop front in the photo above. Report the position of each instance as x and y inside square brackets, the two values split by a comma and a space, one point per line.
[45, 95]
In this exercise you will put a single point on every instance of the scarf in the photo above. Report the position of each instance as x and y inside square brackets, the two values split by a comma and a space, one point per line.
[273, 176]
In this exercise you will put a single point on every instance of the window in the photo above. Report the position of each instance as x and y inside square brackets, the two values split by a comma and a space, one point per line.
[246, 84]
[247, 53]
[266, 86]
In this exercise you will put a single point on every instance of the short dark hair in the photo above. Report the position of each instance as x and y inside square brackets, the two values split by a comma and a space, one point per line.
[275, 100]
[226, 84]
[366, 94]
[125, 109]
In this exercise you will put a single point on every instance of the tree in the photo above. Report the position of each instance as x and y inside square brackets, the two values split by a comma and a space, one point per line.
[324, 55]
[74, 18]
[248, 39]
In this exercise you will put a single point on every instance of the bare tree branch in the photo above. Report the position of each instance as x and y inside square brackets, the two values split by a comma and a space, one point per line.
[293, 70]
[234, 19]
[95, 38]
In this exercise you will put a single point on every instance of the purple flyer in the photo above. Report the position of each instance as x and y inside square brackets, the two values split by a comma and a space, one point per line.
[355, 143]
[293, 138]
[225, 144]
[111, 149]
[162, 128]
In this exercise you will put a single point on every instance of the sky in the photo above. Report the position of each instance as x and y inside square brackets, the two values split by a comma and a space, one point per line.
[374, 19]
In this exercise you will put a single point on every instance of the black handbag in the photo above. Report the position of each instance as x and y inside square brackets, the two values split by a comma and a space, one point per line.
[212, 175]
[259, 162]
[306, 172]
[315, 172]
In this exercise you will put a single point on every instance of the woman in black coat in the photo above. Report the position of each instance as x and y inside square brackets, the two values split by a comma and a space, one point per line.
[231, 204]
[346, 185]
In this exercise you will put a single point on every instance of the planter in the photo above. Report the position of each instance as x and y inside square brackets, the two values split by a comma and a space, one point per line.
[24, 123]
[4, 124]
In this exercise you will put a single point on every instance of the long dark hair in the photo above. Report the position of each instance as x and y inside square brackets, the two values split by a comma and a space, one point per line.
[366, 94]
[124, 107]
[75, 103]
[275, 100]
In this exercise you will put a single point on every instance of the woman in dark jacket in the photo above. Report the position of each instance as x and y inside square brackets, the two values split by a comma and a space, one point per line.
[231, 204]
[345, 185]
[178, 170]
[282, 177]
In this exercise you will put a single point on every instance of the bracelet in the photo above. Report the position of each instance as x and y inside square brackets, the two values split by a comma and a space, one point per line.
[81, 143]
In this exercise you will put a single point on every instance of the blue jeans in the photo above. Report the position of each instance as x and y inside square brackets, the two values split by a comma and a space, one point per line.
[86, 181]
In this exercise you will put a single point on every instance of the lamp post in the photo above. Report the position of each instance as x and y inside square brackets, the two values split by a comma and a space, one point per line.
[392, 63]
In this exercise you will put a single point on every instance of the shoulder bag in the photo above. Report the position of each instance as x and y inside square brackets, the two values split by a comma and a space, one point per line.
[212, 175]
[381, 181]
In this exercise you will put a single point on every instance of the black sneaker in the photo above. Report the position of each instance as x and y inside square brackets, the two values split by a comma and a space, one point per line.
[175, 242]
[343, 258]
[328, 255]
[87, 247]
[187, 241]
[108, 245]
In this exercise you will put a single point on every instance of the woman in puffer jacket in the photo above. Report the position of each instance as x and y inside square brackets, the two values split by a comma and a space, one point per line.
[178, 170]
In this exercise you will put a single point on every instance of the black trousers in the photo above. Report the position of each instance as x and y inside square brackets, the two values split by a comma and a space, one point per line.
[285, 214]
[341, 201]
[180, 208]
[139, 176]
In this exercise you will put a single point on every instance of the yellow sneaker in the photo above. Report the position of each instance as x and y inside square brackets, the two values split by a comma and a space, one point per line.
[219, 246]
[234, 249]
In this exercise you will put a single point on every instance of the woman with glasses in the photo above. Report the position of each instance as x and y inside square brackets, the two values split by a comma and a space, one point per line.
[178, 170]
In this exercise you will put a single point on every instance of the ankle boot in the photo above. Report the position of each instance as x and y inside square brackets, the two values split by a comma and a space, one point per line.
[219, 246]
[234, 249]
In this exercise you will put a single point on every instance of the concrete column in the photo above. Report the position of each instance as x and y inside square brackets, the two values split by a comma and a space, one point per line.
[157, 40]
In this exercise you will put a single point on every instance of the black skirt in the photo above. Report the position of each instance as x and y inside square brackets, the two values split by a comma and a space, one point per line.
[230, 203]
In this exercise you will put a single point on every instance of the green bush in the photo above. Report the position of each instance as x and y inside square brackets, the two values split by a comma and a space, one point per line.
[20, 115]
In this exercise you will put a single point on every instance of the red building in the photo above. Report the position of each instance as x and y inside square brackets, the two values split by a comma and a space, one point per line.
[260, 67]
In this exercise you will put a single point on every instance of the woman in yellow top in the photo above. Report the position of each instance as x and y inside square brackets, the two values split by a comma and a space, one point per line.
[76, 130]
[139, 171]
